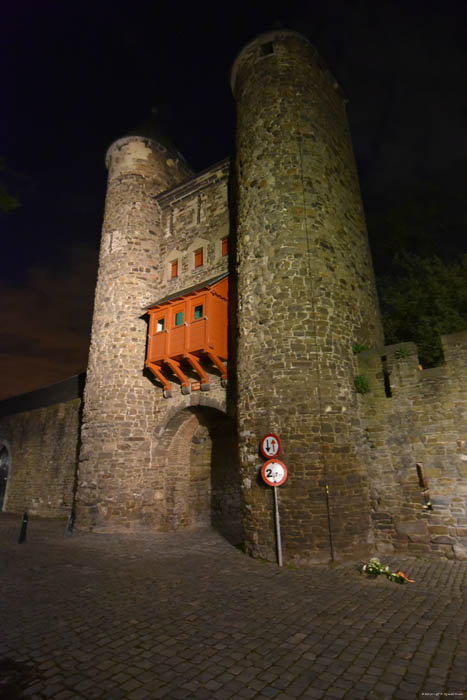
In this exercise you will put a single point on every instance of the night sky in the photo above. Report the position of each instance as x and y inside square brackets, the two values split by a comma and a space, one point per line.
[76, 76]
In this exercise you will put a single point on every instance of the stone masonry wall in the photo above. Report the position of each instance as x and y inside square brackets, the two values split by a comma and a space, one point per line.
[417, 416]
[128, 476]
[306, 293]
[118, 416]
[42, 446]
[194, 215]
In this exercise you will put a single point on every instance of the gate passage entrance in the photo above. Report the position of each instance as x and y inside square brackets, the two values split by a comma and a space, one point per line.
[202, 485]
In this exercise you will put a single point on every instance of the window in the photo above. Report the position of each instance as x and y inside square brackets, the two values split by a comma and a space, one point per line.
[198, 257]
[173, 269]
[266, 49]
[198, 312]
[160, 325]
[179, 318]
[224, 247]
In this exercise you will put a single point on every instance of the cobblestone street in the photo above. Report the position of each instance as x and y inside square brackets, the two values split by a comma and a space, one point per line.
[188, 616]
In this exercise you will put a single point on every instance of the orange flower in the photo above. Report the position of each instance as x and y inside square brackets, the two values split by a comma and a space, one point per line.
[402, 575]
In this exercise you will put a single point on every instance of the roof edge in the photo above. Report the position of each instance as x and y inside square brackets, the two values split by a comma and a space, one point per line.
[188, 290]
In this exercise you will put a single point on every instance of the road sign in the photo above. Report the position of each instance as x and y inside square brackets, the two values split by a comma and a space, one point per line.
[274, 472]
[270, 446]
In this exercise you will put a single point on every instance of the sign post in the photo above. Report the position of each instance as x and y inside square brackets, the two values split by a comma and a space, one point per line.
[274, 473]
[278, 527]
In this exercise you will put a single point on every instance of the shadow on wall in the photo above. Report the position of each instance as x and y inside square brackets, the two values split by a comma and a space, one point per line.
[4, 473]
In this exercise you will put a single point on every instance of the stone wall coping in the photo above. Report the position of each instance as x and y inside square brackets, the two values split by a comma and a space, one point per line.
[149, 142]
[201, 181]
[454, 338]
[60, 392]
[434, 373]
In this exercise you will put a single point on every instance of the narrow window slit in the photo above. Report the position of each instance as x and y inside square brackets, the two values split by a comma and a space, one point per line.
[386, 377]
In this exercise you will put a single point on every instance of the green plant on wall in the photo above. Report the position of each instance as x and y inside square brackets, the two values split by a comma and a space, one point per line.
[362, 385]
[401, 353]
[356, 348]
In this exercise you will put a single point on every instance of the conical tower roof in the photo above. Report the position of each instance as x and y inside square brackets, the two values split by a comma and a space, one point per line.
[155, 127]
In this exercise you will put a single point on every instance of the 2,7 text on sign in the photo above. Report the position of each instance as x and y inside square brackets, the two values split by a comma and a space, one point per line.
[274, 472]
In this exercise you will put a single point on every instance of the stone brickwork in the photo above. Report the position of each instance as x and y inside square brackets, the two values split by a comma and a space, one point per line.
[306, 294]
[138, 466]
[194, 216]
[42, 446]
[417, 416]
[119, 410]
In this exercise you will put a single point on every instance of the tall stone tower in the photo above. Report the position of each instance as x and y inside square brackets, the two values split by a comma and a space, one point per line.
[306, 294]
[119, 403]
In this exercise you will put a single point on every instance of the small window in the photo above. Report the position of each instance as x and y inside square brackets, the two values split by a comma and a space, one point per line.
[198, 257]
[160, 325]
[267, 48]
[224, 246]
[179, 318]
[174, 269]
[198, 312]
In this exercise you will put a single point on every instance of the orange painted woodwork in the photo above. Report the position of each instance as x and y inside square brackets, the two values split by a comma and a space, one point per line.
[187, 328]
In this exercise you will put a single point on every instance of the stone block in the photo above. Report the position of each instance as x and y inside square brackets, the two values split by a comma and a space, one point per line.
[460, 551]
[384, 547]
[438, 529]
[413, 528]
[443, 539]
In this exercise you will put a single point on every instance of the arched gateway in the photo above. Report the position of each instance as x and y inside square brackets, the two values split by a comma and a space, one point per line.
[197, 452]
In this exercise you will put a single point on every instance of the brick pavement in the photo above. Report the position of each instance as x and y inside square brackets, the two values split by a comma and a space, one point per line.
[188, 616]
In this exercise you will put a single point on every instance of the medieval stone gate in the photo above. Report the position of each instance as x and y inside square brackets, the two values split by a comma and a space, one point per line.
[284, 221]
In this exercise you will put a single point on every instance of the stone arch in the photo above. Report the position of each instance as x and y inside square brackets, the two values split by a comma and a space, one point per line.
[197, 452]
[5, 472]
[201, 399]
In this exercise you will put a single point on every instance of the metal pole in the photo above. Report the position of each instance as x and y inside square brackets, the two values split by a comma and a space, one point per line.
[329, 522]
[278, 526]
[24, 528]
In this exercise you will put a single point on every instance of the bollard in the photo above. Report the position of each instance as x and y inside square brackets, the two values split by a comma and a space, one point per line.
[70, 524]
[24, 529]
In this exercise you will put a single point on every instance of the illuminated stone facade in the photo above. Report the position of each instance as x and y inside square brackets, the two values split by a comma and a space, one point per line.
[301, 298]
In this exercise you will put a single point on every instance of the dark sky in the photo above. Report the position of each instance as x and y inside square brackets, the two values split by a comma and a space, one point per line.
[76, 76]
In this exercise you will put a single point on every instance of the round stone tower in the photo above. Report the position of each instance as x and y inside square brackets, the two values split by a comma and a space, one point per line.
[306, 295]
[118, 418]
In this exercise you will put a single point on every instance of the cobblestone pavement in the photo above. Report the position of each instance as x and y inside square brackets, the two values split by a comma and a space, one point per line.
[188, 616]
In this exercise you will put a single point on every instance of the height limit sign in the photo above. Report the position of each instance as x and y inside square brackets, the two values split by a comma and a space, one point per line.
[274, 472]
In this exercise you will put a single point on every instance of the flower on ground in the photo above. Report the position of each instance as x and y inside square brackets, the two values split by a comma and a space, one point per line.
[374, 568]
